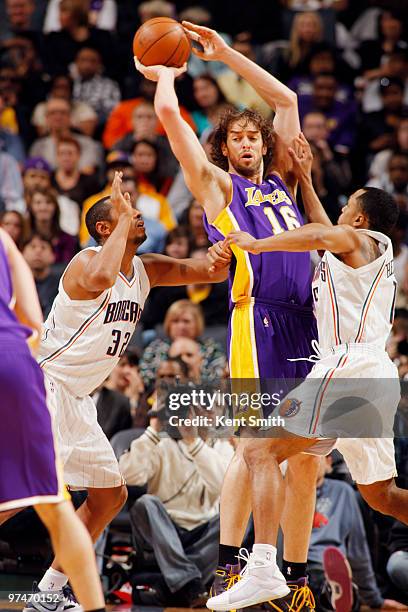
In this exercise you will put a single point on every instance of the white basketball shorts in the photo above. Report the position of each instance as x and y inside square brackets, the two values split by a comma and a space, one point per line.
[86, 455]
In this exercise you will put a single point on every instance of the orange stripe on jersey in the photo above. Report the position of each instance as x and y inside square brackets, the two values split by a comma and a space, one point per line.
[334, 307]
[367, 305]
[341, 364]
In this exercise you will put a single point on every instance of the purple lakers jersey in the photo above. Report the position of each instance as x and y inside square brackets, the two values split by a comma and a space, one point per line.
[10, 329]
[263, 210]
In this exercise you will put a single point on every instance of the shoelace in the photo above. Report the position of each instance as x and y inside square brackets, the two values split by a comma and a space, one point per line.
[302, 596]
[245, 556]
[315, 357]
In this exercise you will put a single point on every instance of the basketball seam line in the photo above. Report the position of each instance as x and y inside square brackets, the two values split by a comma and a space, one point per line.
[174, 52]
[156, 41]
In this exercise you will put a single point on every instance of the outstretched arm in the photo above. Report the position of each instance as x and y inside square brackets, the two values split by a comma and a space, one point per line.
[302, 158]
[166, 271]
[209, 185]
[27, 306]
[341, 239]
[281, 99]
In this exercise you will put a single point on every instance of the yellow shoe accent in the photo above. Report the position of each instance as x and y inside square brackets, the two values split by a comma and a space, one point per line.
[301, 597]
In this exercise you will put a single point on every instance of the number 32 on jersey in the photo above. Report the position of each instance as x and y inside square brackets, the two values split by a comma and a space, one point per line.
[289, 216]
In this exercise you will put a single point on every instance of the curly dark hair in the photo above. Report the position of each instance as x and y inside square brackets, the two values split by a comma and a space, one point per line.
[219, 135]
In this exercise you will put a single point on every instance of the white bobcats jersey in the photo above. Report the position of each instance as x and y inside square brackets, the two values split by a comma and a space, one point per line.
[83, 339]
[355, 304]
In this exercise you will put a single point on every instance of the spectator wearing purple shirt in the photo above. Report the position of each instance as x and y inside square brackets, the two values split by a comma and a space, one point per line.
[340, 115]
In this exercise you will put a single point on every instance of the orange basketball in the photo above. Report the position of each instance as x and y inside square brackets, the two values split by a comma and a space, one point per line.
[161, 41]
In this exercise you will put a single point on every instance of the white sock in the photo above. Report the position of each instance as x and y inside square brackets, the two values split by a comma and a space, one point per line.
[53, 580]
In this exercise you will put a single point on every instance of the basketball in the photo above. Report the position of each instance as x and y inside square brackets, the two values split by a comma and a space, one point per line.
[161, 41]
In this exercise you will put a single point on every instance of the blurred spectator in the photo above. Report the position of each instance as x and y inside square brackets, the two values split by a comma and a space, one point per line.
[178, 517]
[44, 216]
[76, 32]
[19, 18]
[380, 162]
[11, 185]
[395, 67]
[399, 333]
[38, 252]
[183, 320]
[37, 173]
[375, 53]
[145, 159]
[154, 203]
[331, 170]
[306, 30]
[192, 218]
[189, 351]
[14, 116]
[377, 130]
[13, 223]
[400, 250]
[58, 118]
[83, 117]
[67, 179]
[178, 243]
[211, 102]
[322, 59]
[235, 89]
[145, 127]
[90, 86]
[11, 144]
[21, 53]
[102, 15]
[397, 566]
[340, 116]
[120, 121]
[155, 8]
[340, 524]
[395, 180]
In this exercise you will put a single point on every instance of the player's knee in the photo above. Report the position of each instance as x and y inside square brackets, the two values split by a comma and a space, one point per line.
[306, 465]
[256, 455]
[52, 515]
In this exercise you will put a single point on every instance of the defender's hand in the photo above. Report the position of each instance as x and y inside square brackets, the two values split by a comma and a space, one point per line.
[120, 201]
[302, 158]
[153, 72]
[219, 255]
[244, 241]
[214, 46]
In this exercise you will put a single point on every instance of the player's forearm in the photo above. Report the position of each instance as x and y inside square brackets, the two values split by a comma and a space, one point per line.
[313, 207]
[267, 86]
[311, 237]
[103, 269]
[165, 100]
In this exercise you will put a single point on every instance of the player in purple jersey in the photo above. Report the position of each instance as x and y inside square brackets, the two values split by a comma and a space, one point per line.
[271, 315]
[29, 473]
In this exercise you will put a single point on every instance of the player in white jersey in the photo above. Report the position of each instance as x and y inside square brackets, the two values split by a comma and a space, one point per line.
[354, 292]
[100, 300]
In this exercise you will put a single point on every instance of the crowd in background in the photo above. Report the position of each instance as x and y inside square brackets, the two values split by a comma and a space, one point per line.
[73, 110]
